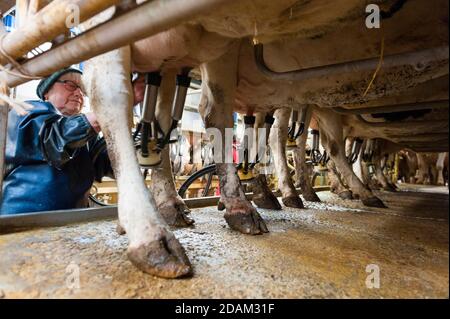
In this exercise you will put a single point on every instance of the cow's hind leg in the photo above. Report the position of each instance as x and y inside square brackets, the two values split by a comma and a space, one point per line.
[302, 169]
[336, 184]
[278, 138]
[332, 138]
[216, 108]
[262, 194]
[152, 247]
[170, 205]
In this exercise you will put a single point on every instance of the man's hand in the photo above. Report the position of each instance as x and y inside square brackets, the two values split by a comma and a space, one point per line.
[93, 121]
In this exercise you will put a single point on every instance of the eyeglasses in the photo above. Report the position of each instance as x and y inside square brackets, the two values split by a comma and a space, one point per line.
[70, 85]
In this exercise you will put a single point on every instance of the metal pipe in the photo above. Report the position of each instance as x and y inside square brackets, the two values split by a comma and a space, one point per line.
[402, 124]
[356, 149]
[47, 24]
[394, 108]
[417, 58]
[183, 83]
[144, 21]
[4, 108]
[152, 84]
[3, 132]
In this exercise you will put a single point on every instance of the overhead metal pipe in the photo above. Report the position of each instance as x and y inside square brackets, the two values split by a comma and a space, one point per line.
[143, 21]
[47, 24]
[416, 58]
[3, 130]
[394, 108]
[403, 124]
[3, 133]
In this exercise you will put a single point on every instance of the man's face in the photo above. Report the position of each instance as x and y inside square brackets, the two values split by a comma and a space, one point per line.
[66, 94]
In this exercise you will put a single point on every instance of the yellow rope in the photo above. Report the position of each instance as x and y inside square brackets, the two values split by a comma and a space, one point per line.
[380, 63]
[255, 33]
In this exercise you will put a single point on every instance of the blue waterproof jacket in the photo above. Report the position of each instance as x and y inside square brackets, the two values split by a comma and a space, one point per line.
[50, 163]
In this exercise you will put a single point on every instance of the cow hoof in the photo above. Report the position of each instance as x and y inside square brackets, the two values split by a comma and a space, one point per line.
[262, 195]
[120, 230]
[389, 188]
[245, 219]
[373, 202]
[176, 214]
[346, 195]
[220, 206]
[164, 257]
[311, 197]
[293, 201]
[268, 201]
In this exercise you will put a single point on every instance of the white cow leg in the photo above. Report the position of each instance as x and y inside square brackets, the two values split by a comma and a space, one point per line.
[440, 168]
[170, 205]
[152, 247]
[278, 138]
[332, 137]
[216, 108]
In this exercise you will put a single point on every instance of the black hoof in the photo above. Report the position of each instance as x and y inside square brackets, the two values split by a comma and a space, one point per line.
[267, 202]
[246, 221]
[390, 188]
[293, 201]
[346, 195]
[164, 257]
[120, 230]
[220, 206]
[177, 215]
[311, 197]
[373, 202]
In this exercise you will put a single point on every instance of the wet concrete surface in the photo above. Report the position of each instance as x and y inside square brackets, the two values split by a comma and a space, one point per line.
[318, 252]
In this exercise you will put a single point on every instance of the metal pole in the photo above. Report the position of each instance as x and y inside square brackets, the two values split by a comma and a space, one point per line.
[431, 123]
[3, 132]
[421, 57]
[144, 21]
[47, 24]
[3, 127]
[394, 108]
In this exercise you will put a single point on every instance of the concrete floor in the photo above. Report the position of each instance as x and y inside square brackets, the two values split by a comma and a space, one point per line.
[318, 252]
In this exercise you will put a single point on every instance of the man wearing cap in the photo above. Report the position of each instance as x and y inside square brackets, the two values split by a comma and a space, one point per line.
[52, 153]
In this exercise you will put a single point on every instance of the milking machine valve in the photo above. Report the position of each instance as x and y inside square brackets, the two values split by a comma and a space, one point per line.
[183, 84]
[315, 151]
[324, 159]
[368, 151]
[148, 154]
[356, 148]
[244, 168]
[296, 117]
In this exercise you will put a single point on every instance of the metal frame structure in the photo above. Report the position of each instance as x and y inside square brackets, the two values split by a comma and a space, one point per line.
[15, 223]
[44, 25]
